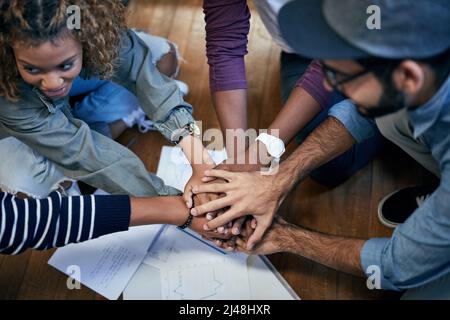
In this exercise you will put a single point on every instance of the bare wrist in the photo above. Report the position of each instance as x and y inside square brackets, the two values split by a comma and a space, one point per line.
[283, 181]
[180, 213]
[158, 210]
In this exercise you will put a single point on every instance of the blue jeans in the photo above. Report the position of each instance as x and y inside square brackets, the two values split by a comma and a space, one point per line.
[100, 102]
[341, 168]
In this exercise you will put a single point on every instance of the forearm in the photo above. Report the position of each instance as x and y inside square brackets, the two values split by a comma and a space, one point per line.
[158, 210]
[339, 253]
[298, 111]
[328, 141]
[231, 109]
[195, 152]
[80, 218]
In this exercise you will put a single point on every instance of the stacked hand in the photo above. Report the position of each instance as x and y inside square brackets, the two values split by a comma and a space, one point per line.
[243, 194]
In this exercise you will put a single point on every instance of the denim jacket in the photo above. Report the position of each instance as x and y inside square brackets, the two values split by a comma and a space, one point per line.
[48, 126]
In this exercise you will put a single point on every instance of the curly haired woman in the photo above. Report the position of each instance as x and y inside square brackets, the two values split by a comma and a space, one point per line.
[47, 139]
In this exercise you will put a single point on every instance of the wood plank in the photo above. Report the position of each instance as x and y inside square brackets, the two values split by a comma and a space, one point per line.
[12, 272]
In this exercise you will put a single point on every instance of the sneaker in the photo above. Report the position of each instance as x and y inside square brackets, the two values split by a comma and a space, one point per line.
[184, 88]
[139, 118]
[69, 188]
[74, 190]
[396, 207]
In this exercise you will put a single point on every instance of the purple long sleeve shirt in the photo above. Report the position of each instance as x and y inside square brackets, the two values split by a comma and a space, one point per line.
[227, 27]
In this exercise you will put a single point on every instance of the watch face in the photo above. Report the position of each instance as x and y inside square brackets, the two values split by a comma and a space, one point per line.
[276, 148]
[195, 129]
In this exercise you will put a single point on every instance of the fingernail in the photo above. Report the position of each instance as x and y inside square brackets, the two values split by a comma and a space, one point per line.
[209, 216]
[194, 189]
[218, 242]
[194, 211]
[220, 229]
[205, 227]
[226, 231]
[236, 231]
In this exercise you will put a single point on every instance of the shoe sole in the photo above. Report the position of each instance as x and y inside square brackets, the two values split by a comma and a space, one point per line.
[381, 218]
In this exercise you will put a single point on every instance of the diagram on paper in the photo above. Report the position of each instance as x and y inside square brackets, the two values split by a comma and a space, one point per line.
[214, 279]
[175, 247]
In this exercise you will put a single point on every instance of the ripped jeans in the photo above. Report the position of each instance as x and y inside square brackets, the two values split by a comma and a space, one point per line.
[98, 103]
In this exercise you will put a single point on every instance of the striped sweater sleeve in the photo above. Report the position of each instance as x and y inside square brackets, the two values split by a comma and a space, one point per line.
[56, 221]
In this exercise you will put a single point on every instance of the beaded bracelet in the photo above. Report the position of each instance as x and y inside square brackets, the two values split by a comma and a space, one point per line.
[187, 223]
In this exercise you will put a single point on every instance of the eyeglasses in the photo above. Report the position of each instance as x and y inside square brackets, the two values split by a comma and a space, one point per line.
[331, 76]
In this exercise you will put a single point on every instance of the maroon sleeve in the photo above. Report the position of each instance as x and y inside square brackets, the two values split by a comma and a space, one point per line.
[227, 27]
[312, 82]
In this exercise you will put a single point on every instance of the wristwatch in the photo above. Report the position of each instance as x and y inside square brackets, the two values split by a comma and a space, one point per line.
[189, 129]
[274, 145]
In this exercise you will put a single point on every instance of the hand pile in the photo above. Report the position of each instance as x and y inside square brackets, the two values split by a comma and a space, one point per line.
[234, 209]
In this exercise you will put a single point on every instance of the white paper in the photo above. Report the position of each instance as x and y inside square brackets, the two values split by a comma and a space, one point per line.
[106, 264]
[147, 282]
[175, 169]
[174, 246]
[217, 278]
[193, 270]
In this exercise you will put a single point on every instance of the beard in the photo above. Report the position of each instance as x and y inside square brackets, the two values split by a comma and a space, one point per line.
[391, 101]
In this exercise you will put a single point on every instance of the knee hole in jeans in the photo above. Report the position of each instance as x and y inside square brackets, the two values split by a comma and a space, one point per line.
[168, 64]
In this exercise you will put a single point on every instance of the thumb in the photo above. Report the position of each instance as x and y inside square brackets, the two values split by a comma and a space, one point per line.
[187, 196]
[256, 236]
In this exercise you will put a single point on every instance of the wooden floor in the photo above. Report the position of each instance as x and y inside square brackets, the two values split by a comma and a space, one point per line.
[349, 210]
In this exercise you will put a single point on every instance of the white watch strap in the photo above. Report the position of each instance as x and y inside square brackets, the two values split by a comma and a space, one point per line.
[268, 140]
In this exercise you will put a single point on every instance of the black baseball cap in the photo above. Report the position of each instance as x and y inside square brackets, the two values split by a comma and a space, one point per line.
[338, 29]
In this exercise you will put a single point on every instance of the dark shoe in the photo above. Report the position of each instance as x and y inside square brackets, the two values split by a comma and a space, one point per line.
[396, 207]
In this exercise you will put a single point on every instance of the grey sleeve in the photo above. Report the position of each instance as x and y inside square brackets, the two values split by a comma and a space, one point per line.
[79, 152]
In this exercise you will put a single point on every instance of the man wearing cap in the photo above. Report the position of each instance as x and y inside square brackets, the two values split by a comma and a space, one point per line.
[398, 80]
[305, 101]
